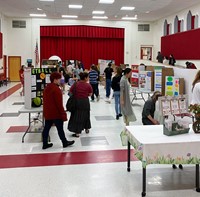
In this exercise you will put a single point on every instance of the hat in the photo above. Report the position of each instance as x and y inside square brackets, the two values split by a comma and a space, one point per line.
[55, 75]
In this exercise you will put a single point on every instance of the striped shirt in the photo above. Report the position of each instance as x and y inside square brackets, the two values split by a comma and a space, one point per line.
[93, 77]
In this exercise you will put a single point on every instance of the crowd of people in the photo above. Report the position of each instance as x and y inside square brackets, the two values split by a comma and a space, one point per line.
[85, 85]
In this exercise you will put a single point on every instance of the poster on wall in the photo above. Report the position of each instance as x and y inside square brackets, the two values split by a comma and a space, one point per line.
[103, 64]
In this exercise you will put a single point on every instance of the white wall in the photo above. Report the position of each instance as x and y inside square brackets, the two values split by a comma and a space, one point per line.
[21, 42]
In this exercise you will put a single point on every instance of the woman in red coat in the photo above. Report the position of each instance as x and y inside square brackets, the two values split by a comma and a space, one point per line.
[53, 111]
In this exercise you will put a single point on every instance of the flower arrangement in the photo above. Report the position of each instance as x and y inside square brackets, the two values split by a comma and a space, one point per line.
[194, 109]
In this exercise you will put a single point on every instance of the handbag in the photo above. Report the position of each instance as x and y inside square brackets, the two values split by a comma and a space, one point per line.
[71, 102]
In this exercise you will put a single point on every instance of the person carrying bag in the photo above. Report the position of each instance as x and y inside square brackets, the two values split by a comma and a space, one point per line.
[71, 102]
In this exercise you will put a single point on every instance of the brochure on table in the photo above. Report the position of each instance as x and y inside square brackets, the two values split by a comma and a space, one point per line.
[35, 80]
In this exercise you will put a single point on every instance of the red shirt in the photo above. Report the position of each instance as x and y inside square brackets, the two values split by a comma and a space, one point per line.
[53, 103]
[81, 89]
[21, 75]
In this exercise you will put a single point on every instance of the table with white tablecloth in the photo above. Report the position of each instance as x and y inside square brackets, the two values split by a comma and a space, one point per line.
[153, 147]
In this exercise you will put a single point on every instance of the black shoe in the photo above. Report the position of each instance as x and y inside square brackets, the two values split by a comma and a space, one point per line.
[180, 166]
[75, 135]
[174, 166]
[68, 143]
[120, 115]
[117, 117]
[45, 146]
[87, 131]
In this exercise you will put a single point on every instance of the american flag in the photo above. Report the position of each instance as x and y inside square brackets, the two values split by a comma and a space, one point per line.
[36, 54]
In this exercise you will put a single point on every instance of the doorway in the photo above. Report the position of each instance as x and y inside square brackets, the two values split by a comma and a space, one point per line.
[146, 53]
[14, 65]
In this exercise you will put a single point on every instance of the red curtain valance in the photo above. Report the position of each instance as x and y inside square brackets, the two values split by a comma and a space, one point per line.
[81, 31]
[183, 45]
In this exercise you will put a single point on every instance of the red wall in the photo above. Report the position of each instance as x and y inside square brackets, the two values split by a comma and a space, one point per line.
[183, 45]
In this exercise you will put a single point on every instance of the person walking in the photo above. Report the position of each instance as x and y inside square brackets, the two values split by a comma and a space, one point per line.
[21, 76]
[108, 74]
[125, 101]
[116, 89]
[159, 57]
[93, 78]
[53, 111]
[80, 117]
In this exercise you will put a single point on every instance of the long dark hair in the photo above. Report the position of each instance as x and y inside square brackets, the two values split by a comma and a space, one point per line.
[196, 79]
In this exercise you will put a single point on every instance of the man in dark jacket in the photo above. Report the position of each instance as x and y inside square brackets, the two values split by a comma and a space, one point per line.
[53, 111]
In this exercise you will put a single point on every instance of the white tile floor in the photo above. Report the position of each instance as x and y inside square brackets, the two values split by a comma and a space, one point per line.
[84, 180]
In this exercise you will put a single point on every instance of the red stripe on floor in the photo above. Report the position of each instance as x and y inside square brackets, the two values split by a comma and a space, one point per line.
[16, 129]
[64, 158]
[10, 91]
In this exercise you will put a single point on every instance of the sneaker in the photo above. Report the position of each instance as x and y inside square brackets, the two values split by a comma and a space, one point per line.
[45, 146]
[68, 143]
[108, 101]
[87, 131]
[117, 117]
[120, 115]
[92, 101]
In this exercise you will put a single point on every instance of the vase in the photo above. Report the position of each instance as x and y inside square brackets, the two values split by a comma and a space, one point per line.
[196, 124]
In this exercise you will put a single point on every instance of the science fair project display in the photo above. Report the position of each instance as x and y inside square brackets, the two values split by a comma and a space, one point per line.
[170, 107]
[35, 80]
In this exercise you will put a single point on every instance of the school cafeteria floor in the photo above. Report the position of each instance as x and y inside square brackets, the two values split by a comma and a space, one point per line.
[95, 166]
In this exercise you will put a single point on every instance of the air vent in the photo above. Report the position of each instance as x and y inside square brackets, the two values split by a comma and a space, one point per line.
[19, 24]
[143, 27]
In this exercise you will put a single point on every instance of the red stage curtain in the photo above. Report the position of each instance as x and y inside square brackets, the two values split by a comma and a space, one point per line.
[85, 43]
[183, 45]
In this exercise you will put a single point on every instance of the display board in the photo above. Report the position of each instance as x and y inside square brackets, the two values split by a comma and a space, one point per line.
[103, 64]
[35, 80]
[171, 105]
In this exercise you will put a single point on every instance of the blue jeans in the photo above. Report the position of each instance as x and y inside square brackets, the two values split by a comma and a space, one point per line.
[59, 126]
[108, 87]
[117, 102]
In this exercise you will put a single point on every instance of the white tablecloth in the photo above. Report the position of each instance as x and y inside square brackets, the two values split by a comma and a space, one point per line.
[153, 147]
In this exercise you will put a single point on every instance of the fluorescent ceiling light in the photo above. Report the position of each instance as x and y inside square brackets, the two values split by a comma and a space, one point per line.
[100, 17]
[38, 15]
[75, 6]
[130, 18]
[69, 16]
[98, 12]
[47, 0]
[39, 9]
[107, 1]
[127, 8]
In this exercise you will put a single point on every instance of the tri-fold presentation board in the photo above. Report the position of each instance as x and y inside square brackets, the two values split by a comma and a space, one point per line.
[35, 80]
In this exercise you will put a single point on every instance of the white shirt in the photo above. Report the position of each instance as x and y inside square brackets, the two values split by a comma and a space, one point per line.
[196, 94]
